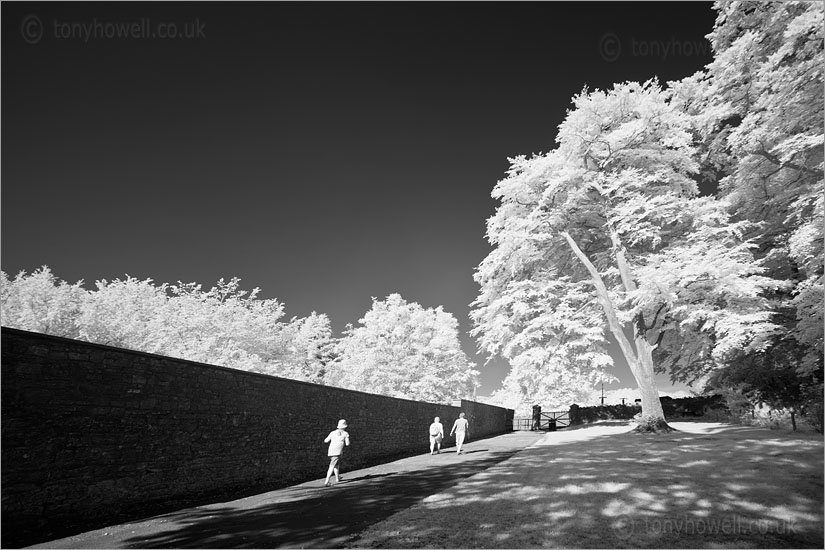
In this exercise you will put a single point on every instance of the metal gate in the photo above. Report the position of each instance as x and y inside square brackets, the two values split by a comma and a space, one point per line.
[554, 420]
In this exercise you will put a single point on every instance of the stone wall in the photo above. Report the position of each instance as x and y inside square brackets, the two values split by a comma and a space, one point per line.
[93, 435]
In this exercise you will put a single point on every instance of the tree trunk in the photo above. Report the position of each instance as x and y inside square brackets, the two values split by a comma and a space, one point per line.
[653, 417]
[638, 357]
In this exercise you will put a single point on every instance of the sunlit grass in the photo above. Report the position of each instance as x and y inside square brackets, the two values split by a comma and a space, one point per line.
[709, 485]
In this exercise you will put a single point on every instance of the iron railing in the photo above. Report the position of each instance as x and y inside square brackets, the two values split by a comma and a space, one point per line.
[525, 424]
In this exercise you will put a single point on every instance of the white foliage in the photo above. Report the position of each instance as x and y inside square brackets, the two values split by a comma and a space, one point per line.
[621, 185]
[222, 326]
[768, 75]
[404, 350]
[41, 303]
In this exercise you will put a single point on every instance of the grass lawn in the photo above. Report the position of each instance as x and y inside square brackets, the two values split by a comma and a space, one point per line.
[709, 485]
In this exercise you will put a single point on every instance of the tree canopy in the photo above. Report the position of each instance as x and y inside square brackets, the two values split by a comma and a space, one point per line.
[223, 326]
[404, 350]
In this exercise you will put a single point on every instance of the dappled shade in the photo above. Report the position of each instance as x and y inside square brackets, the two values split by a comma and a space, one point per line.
[705, 486]
[309, 516]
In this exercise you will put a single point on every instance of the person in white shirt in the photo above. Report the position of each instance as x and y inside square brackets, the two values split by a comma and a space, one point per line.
[436, 435]
[337, 440]
[461, 428]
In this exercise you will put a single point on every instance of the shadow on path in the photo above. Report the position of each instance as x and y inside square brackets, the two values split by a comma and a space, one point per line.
[307, 515]
[315, 516]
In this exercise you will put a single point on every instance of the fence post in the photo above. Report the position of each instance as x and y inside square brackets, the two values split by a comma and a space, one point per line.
[536, 418]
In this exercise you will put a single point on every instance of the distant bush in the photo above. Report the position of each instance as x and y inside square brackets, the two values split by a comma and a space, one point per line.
[746, 408]
[673, 408]
[586, 415]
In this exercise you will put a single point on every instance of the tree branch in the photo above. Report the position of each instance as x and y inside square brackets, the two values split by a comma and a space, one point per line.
[775, 160]
[621, 261]
[607, 306]
[655, 317]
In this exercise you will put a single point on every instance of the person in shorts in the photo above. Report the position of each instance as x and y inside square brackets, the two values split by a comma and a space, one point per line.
[436, 436]
[337, 439]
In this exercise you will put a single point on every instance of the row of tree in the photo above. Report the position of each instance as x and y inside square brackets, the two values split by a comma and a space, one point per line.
[399, 349]
[608, 238]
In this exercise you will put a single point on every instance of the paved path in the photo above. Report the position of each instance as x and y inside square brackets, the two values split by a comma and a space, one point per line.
[308, 515]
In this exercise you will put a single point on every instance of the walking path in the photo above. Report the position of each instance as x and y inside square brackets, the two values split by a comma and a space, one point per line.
[309, 515]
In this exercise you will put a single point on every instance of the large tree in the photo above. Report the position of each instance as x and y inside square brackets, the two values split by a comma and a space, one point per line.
[765, 89]
[608, 233]
[758, 110]
[402, 349]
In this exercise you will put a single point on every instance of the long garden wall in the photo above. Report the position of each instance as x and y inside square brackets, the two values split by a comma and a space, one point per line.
[93, 435]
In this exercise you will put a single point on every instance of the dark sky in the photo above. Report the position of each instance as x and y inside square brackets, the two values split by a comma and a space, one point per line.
[325, 152]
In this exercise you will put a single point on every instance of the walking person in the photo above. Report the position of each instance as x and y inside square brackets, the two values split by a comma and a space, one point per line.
[461, 429]
[337, 439]
[436, 435]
